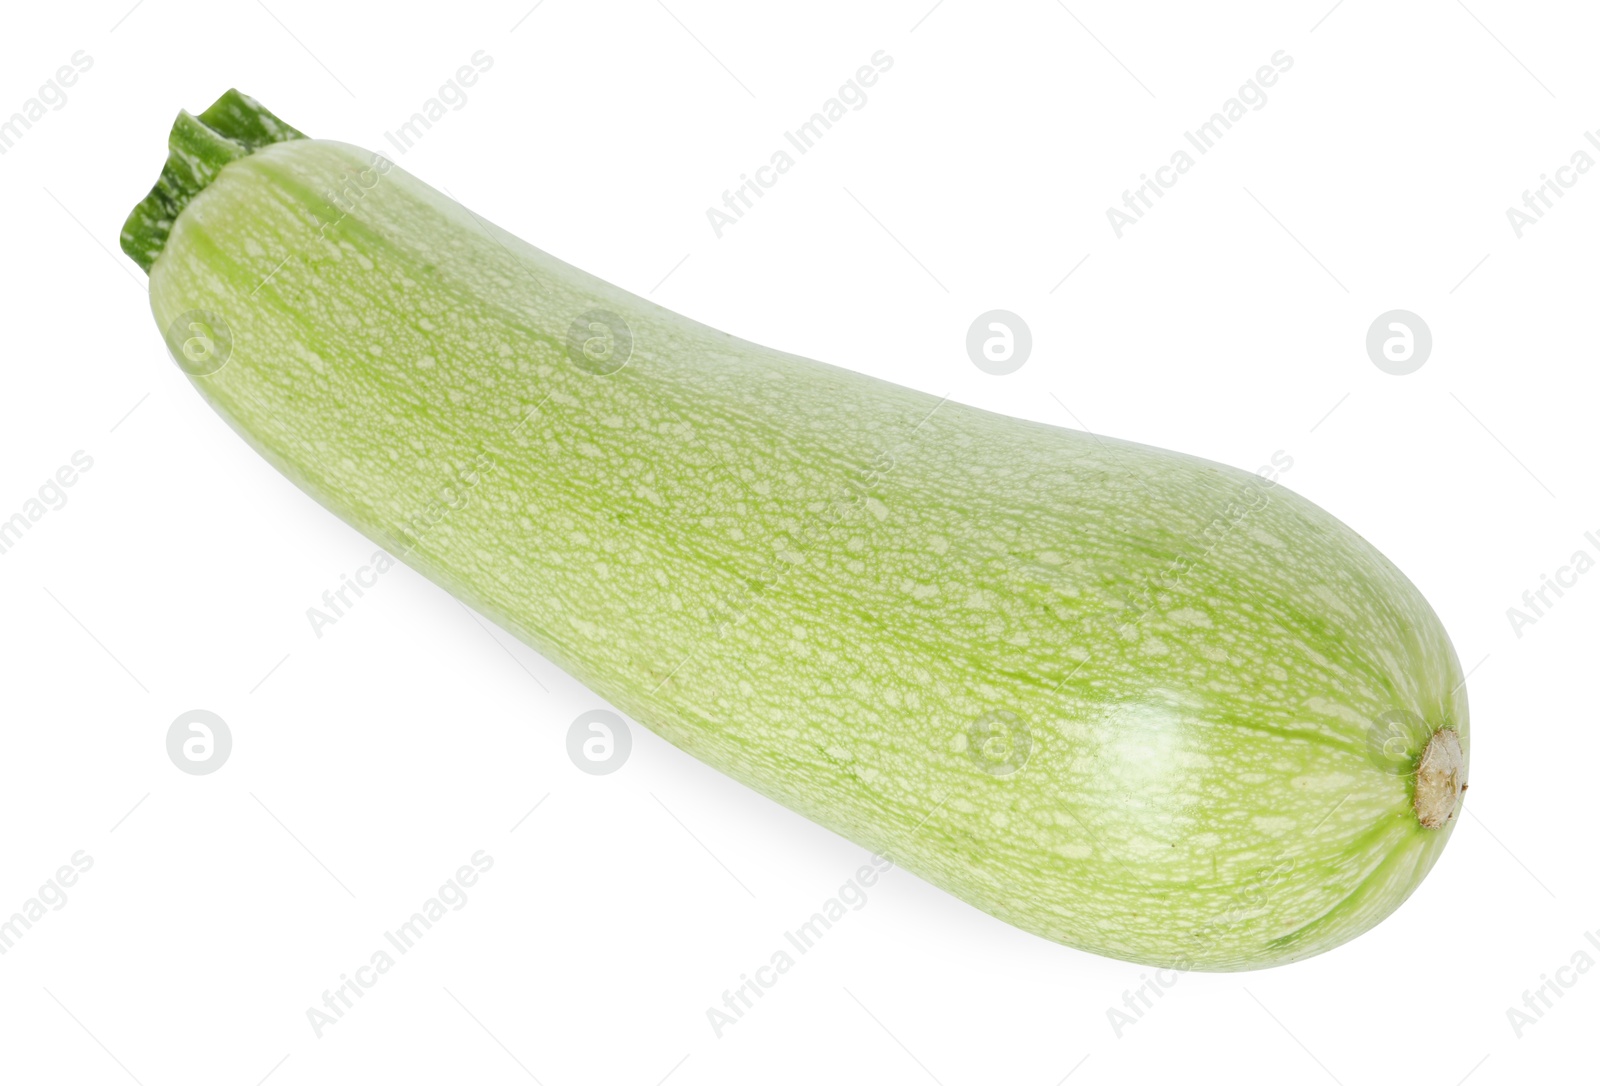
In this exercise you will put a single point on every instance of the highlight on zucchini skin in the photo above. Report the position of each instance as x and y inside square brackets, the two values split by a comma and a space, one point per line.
[1129, 700]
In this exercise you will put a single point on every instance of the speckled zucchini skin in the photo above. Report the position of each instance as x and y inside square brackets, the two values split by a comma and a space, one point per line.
[1119, 697]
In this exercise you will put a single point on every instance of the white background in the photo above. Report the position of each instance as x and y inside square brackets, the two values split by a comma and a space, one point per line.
[370, 763]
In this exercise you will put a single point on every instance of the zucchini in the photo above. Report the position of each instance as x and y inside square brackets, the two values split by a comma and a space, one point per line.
[1129, 700]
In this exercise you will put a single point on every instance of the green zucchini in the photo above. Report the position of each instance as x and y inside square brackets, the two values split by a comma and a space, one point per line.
[1126, 699]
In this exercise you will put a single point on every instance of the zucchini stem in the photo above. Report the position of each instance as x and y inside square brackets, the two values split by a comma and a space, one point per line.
[1440, 783]
[197, 150]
